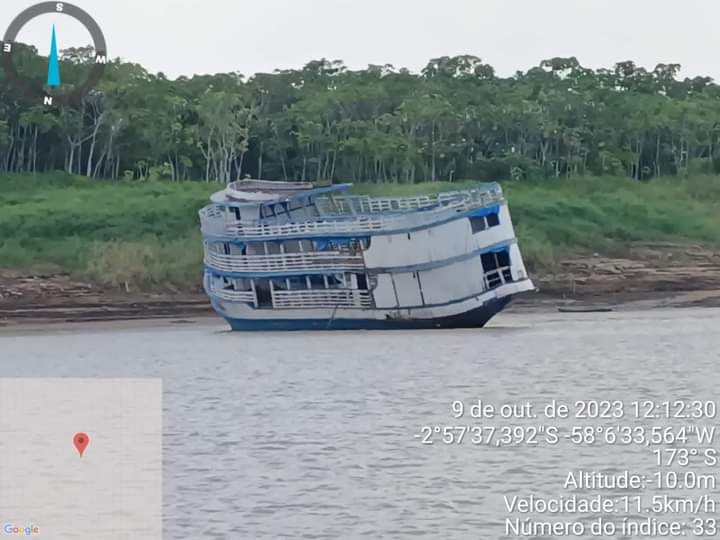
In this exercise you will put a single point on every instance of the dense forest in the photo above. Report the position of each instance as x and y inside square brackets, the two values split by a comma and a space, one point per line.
[455, 120]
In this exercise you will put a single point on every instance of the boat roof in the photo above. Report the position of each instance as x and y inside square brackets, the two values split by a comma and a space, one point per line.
[264, 192]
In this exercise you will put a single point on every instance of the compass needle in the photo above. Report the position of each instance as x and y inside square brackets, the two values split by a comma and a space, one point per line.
[54, 66]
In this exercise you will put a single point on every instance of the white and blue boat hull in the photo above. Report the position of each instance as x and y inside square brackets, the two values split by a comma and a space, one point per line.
[309, 260]
[473, 312]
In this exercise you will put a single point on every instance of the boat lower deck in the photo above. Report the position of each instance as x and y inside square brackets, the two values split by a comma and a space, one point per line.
[475, 318]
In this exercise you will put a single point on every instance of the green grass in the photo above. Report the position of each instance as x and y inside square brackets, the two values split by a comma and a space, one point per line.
[606, 215]
[145, 235]
[142, 234]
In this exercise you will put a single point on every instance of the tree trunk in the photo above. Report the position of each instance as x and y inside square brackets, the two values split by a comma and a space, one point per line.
[260, 161]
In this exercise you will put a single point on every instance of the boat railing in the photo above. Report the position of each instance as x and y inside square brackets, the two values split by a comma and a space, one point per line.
[364, 204]
[284, 262]
[224, 223]
[497, 277]
[230, 295]
[239, 229]
[322, 298]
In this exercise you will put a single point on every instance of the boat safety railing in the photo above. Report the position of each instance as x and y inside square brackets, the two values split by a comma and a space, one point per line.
[224, 223]
[247, 297]
[360, 204]
[497, 277]
[251, 231]
[285, 262]
[364, 204]
[327, 298]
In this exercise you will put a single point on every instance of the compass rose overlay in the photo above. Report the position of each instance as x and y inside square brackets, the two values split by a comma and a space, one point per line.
[38, 93]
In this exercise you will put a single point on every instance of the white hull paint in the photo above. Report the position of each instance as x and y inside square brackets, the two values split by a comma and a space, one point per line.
[233, 310]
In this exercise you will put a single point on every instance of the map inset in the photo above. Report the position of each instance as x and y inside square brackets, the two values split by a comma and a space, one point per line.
[48, 489]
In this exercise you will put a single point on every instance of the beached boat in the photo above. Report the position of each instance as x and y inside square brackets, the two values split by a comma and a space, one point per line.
[290, 256]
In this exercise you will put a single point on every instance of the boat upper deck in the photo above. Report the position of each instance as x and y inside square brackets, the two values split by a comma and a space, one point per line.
[338, 215]
[264, 192]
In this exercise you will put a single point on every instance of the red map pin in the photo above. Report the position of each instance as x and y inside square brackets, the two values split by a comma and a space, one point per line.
[81, 441]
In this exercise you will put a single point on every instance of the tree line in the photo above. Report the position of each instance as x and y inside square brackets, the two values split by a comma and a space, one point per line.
[456, 119]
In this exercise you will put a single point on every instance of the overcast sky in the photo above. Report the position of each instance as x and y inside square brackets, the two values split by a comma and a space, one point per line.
[184, 37]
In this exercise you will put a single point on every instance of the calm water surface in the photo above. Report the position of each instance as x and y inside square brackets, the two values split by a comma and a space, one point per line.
[314, 435]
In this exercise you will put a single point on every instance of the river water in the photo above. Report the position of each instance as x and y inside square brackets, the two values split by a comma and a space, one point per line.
[317, 435]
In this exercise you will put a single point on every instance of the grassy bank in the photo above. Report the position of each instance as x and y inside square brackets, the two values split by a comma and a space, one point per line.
[146, 234]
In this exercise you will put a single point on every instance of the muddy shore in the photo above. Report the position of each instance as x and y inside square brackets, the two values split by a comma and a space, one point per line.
[647, 276]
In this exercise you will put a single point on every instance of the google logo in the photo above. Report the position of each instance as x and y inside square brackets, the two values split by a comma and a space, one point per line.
[10, 529]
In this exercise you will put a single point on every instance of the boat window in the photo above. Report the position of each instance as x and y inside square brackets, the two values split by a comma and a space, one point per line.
[503, 258]
[268, 211]
[291, 246]
[496, 267]
[297, 283]
[481, 223]
[489, 261]
[324, 245]
[279, 284]
[317, 282]
[477, 224]
[283, 209]
[242, 284]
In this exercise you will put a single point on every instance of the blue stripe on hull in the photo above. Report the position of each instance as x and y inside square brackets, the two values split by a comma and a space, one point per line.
[475, 318]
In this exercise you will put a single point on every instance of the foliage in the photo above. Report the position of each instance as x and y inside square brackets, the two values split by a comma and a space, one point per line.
[456, 119]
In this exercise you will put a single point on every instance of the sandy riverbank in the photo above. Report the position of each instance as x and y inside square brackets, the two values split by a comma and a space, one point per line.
[648, 276]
